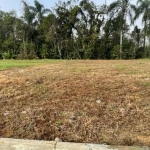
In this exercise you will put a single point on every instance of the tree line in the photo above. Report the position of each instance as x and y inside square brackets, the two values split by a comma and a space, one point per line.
[76, 29]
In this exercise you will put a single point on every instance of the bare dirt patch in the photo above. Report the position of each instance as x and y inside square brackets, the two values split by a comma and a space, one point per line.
[78, 101]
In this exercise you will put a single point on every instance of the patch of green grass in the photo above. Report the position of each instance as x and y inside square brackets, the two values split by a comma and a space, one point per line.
[7, 64]
[59, 123]
[145, 84]
[120, 67]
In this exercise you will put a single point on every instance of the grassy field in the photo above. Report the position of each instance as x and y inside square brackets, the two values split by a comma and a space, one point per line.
[97, 101]
[7, 64]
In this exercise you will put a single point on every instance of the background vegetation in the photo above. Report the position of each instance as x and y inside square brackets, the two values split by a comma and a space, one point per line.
[76, 30]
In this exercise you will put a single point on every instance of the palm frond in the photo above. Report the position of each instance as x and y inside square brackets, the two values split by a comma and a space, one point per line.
[139, 2]
[45, 11]
[27, 14]
[143, 9]
[130, 14]
[38, 5]
[113, 6]
[33, 9]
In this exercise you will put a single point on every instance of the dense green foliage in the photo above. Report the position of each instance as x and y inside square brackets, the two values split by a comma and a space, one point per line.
[76, 30]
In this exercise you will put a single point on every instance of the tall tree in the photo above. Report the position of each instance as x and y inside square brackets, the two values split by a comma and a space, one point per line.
[39, 11]
[28, 28]
[88, 27]
[121, 9]
[28, 15]
[7, 33]
[144, 10]
[66, 18]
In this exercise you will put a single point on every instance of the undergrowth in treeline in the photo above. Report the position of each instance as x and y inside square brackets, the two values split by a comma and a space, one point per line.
[76, 30]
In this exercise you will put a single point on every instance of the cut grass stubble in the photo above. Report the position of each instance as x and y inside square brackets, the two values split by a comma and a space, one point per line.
[77, 101]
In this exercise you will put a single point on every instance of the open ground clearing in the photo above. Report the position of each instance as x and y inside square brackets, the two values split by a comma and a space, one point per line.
[94, 101]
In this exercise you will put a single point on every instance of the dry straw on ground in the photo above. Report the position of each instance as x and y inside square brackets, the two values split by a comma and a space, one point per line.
[78, 101]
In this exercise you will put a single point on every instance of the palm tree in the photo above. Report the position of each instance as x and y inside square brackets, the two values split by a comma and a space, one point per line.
[144, 10]
[121, 9]
[39, 10]
[28, 16]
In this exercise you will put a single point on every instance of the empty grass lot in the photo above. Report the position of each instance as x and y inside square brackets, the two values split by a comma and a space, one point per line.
[97, 101]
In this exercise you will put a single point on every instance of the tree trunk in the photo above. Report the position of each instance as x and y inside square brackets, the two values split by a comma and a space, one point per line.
[59, 50]
[144, 34]
[144, 41]
[149, 48]
[121, 29]
[121, 44]
[24, 47]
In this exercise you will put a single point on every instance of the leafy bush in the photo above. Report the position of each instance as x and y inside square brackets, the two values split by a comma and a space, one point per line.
[6, 55]
[115, 53]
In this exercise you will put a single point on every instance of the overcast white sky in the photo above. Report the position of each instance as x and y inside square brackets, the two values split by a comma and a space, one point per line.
[8, 5]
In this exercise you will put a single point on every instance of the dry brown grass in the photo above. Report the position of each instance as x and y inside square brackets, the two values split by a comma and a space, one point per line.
[78, 101]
